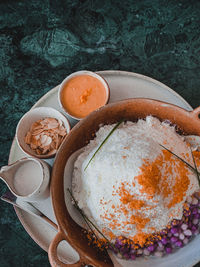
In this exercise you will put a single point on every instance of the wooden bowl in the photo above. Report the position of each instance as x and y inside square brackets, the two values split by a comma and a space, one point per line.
[131, 109]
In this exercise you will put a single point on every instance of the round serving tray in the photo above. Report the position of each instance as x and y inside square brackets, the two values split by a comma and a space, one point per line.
[122, 85]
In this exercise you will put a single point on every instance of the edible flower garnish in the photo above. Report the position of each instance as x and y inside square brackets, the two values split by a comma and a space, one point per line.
[194, 169]
[115, 127]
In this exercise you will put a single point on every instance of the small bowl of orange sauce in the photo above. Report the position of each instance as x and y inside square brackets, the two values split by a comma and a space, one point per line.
[83, 92]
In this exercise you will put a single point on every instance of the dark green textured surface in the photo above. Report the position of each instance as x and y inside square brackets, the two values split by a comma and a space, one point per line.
[43, 41]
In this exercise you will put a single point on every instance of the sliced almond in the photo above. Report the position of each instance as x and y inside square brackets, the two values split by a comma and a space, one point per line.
[38, 151]
[60, 122]
[43, 139]
[52, 125]
[46, 149]
[62, 128]
[34, 141]
[37, 137]
[48, 141]
[52, 120]
[63, 132]
[44, 122]
[39, 143]
[46, 135]
[37, 127]
[28, 138]
[36, 132]
[33, 146]
[34, 125]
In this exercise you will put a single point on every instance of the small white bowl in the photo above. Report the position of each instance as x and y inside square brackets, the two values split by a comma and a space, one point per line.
[28, 119]
[78, 73]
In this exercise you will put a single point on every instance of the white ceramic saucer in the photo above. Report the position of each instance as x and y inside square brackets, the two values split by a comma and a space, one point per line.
[123, 85]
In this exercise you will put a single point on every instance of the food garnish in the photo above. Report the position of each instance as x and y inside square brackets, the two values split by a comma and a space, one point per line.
[45, 136]
[114, 128]
[194, 169]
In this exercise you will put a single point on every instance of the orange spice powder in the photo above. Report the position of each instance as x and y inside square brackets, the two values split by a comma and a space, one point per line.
[153, 181]
[127, 198]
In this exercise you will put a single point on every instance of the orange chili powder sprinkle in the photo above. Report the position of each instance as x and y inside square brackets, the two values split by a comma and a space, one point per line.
[139, 220]
[100, 243]
[127, 198]
[197, 157]
[109, 233]
[140, 238]
[153, 181]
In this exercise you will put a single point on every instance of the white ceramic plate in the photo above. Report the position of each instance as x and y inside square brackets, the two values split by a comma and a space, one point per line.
[123, 85]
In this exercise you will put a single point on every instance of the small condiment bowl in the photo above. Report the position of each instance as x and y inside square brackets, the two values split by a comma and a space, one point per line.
[28, 119]
[28, 179]
[76, 74]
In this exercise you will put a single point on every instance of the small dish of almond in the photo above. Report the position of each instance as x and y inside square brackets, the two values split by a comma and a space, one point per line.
[41, 131]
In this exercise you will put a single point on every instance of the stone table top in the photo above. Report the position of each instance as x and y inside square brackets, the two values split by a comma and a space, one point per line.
[43, 41]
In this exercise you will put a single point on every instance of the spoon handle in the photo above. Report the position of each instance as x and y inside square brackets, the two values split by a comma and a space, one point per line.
[28, 207]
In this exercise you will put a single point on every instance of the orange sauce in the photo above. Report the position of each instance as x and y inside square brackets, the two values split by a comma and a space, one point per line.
[82, 95]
